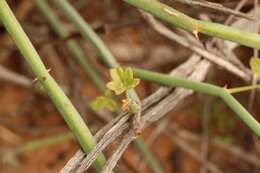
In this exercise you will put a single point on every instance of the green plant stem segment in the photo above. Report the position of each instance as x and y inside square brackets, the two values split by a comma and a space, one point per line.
[242, 89]
[61, 101]
[72, 45]
[205, 88]
[86, 30]
[178, 19]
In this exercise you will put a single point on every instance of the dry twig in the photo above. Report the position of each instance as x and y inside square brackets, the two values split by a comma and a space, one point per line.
[218, 7]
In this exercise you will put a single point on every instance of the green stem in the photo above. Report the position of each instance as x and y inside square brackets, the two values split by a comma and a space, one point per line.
[61, 101]
[178, 19]
[205, 88]
[242, 89]
[72, 46]
[86, 31]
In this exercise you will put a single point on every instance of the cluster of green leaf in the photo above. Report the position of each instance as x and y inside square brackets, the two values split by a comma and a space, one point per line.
[105, 101]
[122, 80]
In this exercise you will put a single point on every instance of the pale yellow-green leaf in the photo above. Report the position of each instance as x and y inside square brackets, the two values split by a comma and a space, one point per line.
[102, 102]
[114, 74]
[117, 87]
[108, 93]
[255, 65]
[129, 73]
[136, 82]
[122, 80]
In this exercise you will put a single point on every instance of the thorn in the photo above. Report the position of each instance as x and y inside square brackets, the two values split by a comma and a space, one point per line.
[225, 86]
[35, 80]
[195, 32]
[171, 12]
[48, 71]
[44, 78]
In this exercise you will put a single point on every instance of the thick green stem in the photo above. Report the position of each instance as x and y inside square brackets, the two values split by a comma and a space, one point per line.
[178, 19]
[61, 101]
[86, 31]
[72, 46]
[206, 88]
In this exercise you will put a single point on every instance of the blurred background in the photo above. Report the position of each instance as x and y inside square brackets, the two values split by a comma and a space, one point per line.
[200, 134]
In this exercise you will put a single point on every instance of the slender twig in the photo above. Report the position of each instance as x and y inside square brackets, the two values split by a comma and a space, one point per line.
[178, 19]
[61, 101]
[238, 8]
[110, 134]
[86, 31]
[159, 27]
[78, 157]
[242, 89]
[205, 88]
[256, 54]
[11, 76]
[111, 163]
[72, 45]
[218, 7]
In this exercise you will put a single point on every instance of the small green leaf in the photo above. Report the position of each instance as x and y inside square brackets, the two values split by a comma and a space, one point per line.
[102, 102]
[108, 93]
[117, 87]
[114, 75]
[122, 80]
[255, 65]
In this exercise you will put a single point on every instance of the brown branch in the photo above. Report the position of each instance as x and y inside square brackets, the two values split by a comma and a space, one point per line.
[16, 78]
[218, 7]
[159, 27]
[111, 163]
